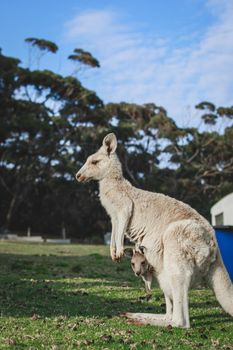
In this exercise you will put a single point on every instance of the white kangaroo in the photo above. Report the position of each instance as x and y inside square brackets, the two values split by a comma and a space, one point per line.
[180, 244]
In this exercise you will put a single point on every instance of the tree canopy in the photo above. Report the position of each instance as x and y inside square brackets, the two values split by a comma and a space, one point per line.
[50, 123]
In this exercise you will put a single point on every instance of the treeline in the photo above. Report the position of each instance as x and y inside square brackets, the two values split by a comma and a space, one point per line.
[50, 123]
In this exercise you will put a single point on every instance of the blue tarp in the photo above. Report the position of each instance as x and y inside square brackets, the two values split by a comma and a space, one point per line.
[224, 235]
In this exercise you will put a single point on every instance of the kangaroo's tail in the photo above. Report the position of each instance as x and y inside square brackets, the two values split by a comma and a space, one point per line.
[220, 282]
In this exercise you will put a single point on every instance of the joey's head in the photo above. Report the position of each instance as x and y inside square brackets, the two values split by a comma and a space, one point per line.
[102, 163]
[139, 263]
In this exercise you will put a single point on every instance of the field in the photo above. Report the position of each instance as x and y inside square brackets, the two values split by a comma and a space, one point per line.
[70, 297]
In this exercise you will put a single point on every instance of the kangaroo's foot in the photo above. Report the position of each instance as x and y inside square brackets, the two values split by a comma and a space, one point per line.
[155, 320]
[146, 318]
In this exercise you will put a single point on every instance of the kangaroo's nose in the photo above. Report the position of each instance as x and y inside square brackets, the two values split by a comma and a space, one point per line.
[78, 176]
[137, 273]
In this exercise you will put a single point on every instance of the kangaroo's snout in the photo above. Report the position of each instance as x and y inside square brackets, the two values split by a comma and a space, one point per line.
[80, 177]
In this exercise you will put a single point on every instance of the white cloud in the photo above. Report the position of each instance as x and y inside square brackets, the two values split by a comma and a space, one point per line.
[142, 67]
[90, 23]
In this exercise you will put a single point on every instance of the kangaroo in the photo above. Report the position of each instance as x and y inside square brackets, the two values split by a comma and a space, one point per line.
[140, 266]
[180, 243]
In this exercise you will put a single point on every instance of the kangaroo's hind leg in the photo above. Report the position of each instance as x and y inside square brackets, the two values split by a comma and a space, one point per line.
[180, 315]
[169, 307]
[178, 274]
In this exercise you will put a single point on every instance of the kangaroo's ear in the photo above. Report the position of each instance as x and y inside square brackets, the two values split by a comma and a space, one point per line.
[142, 249]
[128, 252]
[110, 143]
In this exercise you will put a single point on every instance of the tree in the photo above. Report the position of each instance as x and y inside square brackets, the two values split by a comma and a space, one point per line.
[50, 123]
[36, 142]
[204, 161]
[41, 47]
[85, 58]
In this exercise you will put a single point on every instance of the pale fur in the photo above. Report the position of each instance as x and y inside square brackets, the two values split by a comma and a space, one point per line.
[180, 243]
[140, 266]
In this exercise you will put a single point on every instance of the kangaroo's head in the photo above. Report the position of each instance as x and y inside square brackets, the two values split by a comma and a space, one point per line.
[102, 163]
[139, 263]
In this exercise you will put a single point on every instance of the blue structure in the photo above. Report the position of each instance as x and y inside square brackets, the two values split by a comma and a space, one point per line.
[224, 235]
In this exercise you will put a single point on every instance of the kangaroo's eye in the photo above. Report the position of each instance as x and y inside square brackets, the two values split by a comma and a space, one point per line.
[132, 264]
[143, 263]
[94, 162]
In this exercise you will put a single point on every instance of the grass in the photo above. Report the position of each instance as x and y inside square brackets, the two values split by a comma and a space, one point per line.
[70, 297]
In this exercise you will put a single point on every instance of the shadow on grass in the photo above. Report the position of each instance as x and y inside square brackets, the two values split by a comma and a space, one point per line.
[211, 319]
[87, 286]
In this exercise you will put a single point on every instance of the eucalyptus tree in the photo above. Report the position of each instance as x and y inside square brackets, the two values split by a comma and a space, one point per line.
[49, 123]
[41, 120]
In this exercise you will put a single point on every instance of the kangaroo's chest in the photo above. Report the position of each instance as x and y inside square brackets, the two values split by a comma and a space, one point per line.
[110, 205]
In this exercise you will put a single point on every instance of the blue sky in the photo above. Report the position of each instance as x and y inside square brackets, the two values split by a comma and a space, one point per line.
[175, 53]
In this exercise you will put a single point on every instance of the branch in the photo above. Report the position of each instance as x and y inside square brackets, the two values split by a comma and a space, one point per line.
[5, 186]
[129, 172]
[193, 156]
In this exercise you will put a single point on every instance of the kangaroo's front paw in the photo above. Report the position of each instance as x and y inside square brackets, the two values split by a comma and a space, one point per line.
[113, 254]
[119, 254]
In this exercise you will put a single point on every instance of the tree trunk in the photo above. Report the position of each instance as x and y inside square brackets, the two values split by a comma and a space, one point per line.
[10, 211]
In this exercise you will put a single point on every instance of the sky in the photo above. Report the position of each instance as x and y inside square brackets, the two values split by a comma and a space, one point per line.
[175, 53]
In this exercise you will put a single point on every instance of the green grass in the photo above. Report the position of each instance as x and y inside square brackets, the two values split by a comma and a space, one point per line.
[70, 297]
